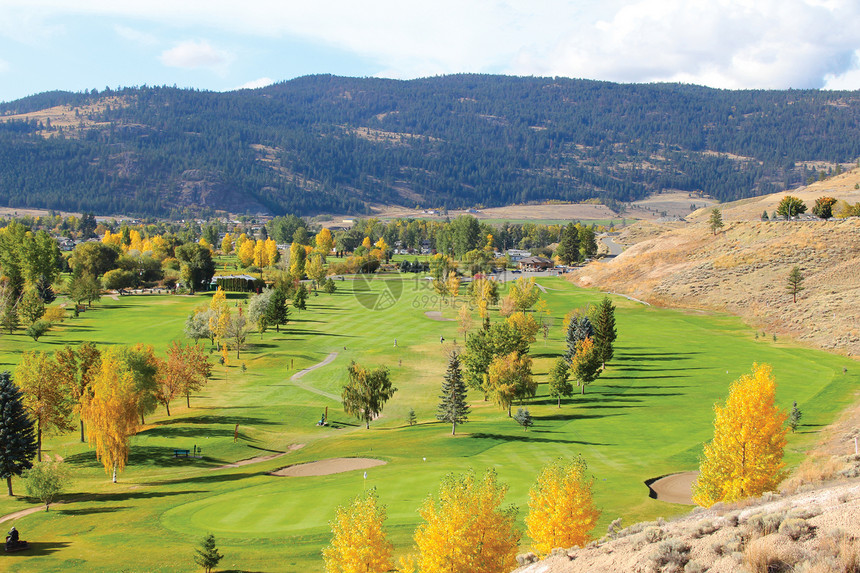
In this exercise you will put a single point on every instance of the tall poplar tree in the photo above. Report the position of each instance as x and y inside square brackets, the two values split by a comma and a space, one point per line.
[16, 432]
[359, 544]
[49, 403]
[453, 407]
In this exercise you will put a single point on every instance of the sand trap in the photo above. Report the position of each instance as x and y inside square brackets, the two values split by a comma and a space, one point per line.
[436, 315]
[674, 488]
[328, 467]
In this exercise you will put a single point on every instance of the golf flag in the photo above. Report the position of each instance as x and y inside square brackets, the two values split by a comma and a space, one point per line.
[365, 475]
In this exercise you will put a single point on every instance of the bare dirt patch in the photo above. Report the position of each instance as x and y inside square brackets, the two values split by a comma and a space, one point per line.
[328, 467]
[436, 315]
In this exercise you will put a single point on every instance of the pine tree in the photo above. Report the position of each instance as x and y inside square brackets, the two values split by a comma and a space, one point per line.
[568, 245]
[524, 419]
[795, 282]
[559, 380]
[411, 418]
[300, 298]
[17, 432]
[453, 407]
[578, 329]
[603, 321]
[794, 417]
[207, 556]
[359, 544]
[716, 221]
[745, 457]
[277, 312]
[561, 506]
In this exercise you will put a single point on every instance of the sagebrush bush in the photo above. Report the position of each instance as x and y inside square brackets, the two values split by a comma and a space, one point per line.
[671, 551]
[762, 524]
[796, 528]
[653, 534]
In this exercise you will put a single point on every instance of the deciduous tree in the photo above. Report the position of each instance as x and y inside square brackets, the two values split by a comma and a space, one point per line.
[16, 432]
[48, 402]
[366, 392]
[111, 413]
[510, 378]
[585, 364]
[524, 293]
[745, 457]
[466, 529]
[46, 480]
[561, 506]
[790, 207]
[559, 380]
[823, 208]
[359, 543]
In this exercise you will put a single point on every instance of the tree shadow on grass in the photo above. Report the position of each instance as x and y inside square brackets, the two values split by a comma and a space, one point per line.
[141, 456]
[532, 437]
[93, 510]
[35, 548]
[128, 495]
[653, 356]
[637, 377]
[206, 419]
[571, 416]
[193, 433]
[209, 478]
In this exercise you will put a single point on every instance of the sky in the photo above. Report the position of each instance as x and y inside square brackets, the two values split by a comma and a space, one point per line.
[228, 44]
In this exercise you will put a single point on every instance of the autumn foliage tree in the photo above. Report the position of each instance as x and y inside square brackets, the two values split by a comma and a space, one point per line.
[510, 378]
[47, 401]
[366, 392]
[561, 506]
[111, 413]
[585, 364]
[186, 369]
[359, 543]
[745, 457]
[466, 529]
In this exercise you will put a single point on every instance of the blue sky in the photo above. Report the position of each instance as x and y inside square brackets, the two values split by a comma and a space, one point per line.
[222, 45]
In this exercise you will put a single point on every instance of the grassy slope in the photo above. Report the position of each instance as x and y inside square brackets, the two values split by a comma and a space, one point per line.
[645, 417]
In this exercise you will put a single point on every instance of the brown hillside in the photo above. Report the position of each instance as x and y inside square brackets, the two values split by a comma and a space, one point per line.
[743, 270]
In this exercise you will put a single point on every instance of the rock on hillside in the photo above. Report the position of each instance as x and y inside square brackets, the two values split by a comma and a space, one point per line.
[743, 270]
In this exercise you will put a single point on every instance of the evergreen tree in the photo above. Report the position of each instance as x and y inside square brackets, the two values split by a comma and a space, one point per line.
[45, 290]
[790, 207]
[568, 246]
[277, 312]
[329, 286]
[764, 216]
[300, 298]
[411, 418]
[524, 419]
[716, 221]
[795, 282]
[794, 417]
[578, 329]
[17, 432]
[452, 405]
[603, 321]
[207, 556]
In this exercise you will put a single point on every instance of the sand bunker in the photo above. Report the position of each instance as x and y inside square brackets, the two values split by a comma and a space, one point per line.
[328, 467]
[436, 315]
[674, 488]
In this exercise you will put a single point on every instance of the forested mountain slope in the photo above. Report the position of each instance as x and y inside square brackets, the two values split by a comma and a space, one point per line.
[331, 144]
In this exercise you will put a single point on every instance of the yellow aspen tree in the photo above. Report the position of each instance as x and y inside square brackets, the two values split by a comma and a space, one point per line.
[509, 378]
[366, 243]
[297, 261]
[245, 252]
[561, 507]
[43, 395]
[204, 243]
[110, 412]
[272, 253]
[136, 241]
[525, 325]
[227, 244]
[324, 242]
[453, 285]
[585, 364]
[160, 247]
[359, 543]
[745, 457]
[240, 240]
[464, 320]
[260, 259]
[466, 529]
[218, 306]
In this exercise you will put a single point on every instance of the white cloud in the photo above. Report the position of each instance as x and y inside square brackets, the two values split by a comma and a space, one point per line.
[135, 36]
[254, 84]
[195, 54]
[723, 43]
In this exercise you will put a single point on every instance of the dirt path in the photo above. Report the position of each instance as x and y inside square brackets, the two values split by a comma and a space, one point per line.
[328, 467]
[298, 375]
[249, 461]
[25, 512]
[436, 315]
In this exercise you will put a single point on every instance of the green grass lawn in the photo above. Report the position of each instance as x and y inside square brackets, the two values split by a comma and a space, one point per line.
[645, 417]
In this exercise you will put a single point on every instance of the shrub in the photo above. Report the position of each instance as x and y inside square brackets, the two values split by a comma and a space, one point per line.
[764, 556]
[54, 314]
[762, 524]
[704, 528]
[653, 534]
[671, 552]
[795, 528]
[37, 329]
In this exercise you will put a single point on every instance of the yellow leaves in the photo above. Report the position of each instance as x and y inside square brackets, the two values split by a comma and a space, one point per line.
[359, 544]
[366, 243]
[110, 412]
[324, 242]
[510, 377]
[745, 457]
[561, 507]
[525, 325]
[245, 251]
[466, 530]
[453, 284]
[227, 244]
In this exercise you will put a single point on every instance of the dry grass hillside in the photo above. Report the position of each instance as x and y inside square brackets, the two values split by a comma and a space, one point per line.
[743, 270]
[845, 187]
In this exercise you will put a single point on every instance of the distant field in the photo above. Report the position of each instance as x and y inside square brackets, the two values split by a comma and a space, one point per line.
[646, 416]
